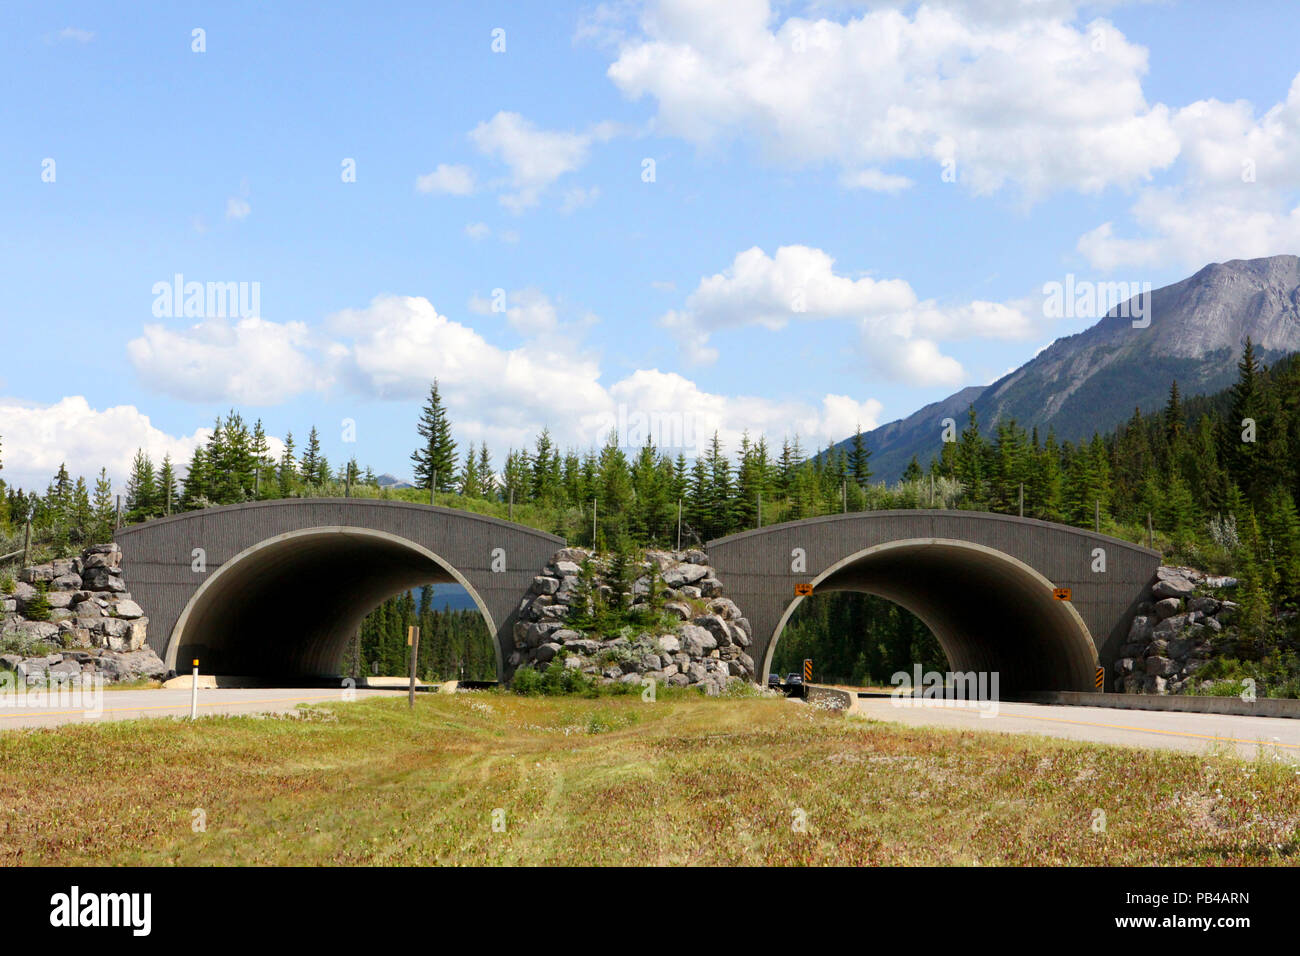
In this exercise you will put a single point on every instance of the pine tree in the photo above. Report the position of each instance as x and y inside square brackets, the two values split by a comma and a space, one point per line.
[287, 473]
[437, 453]
[309, 465]
[197, 479]
[103, 509]
[486, 479]
[141, 489]
[167, 486]
[860, 460]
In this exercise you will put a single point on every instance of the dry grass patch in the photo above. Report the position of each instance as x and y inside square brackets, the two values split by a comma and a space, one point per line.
[617, 781]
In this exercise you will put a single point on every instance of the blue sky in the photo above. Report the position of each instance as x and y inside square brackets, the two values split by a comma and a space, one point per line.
[853, 208]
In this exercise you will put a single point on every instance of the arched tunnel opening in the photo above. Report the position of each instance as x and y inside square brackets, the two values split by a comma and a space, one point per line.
[988, 612]
[287, 610]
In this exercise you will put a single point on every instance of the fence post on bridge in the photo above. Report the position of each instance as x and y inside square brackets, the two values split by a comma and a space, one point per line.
[1022, 499]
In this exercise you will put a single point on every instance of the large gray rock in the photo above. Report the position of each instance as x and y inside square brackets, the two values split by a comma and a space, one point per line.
[1161, 666]
[133, 665]
[725, 608]
[36, 573]
[127, 610]
[103, 579]
[683, 574]
[715, 626]
[27, 633]
[1139, 632]
[1173, 583]
[1168, 607]
[574, 556]
[101, 556]
[697, 641]
[540, 632]
[669, 643]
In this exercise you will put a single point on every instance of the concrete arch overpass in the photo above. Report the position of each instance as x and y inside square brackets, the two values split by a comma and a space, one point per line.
[983, 583]
[278, 588]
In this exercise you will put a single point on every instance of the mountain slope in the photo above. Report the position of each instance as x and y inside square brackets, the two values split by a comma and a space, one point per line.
[1093, 380]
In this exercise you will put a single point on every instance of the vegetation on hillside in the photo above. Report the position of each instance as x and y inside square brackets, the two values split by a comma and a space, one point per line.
[1217, 477]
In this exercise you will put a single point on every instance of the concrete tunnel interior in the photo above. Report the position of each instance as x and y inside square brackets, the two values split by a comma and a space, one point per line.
[987, 611]
[287, 610]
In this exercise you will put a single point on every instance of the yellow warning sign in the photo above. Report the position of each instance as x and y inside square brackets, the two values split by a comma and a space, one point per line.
[1061, 594]
[803, 589]
[807, 670]
[1101, 677]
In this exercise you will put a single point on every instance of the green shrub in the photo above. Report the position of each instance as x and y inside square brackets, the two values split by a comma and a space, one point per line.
[38, 608]
[7, 583]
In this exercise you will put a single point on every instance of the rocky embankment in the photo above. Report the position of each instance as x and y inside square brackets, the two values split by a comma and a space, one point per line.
[74, 617]
[1176, 634]
[698, 637]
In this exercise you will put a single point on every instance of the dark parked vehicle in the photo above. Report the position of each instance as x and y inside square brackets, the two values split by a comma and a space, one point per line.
[794, 680]
[774, 681]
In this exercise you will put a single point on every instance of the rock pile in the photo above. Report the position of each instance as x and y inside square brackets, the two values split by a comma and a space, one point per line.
[1172, 636]
[82, 606]
[700, 642]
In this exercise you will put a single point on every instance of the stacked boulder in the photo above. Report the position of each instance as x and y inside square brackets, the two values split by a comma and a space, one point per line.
[1174, 634]
[82, 607]
[705, 647]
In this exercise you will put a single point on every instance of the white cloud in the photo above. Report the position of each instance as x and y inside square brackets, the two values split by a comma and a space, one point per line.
[237, 208]
[579, 198]
[1013, 96]
[677, 412]
[914, 361]
[875, 181]
[76, 35]
[251, 361]
[535, 157]
[478, 230]
[452, 180]
[799, 283]
[393, 348]
[38, 438]
[1238, 198]
[530, 312]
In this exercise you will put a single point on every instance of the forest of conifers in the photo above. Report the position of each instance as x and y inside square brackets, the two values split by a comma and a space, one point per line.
[1216, 476]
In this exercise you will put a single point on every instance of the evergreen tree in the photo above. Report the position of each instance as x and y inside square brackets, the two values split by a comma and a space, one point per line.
[860, 460]
[436, 454]
[141, 489]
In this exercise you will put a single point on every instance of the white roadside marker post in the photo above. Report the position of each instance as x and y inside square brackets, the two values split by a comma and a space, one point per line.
[194, 692]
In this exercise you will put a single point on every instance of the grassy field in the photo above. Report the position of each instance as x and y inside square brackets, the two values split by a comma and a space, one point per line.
[618, 781]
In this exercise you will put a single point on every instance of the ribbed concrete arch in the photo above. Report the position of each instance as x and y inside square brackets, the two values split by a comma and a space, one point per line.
[983, 583]
[282, 585]
[989, 611]
[244, 618]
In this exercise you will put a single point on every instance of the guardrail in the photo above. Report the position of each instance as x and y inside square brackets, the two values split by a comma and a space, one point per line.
[1260, 707]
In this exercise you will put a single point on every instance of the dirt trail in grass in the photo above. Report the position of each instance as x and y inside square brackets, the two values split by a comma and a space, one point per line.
[490, 778]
